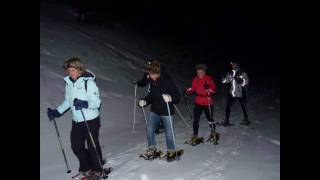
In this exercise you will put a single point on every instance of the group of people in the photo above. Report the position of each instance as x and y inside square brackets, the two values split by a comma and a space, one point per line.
[83, 98]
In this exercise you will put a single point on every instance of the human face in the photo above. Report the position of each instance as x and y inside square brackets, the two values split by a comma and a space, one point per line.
[154, 76]
[234, 66]
[73, 73]
[200, 73]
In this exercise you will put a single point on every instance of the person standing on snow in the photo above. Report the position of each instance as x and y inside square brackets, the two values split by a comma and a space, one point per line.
[238, 81]
[204, 87]
[162, 91]
[82, 93]
[145, 80]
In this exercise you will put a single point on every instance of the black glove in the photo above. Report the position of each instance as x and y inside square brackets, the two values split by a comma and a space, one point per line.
[80, 104]
[52, 113]
[206, 85]
[238, 79]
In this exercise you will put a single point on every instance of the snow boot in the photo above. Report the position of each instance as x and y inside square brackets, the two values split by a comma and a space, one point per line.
[172, 155]
[98, 175]
[195, 140]
[82, 175]
[214, 137]
[151, 154]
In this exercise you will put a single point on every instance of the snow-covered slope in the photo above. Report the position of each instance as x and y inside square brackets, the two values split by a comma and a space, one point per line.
[116, 59]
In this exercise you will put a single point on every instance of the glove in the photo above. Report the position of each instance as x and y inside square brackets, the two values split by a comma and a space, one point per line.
[134, 82]
[52, 113]
[142, 103]
[166, 98]
[206, 85]
[238, 79]
[80, 104]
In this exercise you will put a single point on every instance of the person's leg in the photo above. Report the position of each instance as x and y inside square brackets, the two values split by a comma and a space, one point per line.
[196, 118]
[243, 102]
[244, 108]
[168, 126]
[230, 100]
[78, 146]
[152, 122]
[209, 115]
[94, 126]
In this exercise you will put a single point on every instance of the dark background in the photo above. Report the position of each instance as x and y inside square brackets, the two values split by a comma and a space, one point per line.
[211, 31]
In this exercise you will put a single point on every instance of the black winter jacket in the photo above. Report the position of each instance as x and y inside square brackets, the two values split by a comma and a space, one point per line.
[163, 85]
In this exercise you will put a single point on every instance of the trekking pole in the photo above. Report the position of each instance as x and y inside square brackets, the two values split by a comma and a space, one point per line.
[61, 147]
[174, 141]
[104, 176]
[134, 108]
[181, 115]
[213, 123]
[210, 113]
[144, 114]
[188, 108]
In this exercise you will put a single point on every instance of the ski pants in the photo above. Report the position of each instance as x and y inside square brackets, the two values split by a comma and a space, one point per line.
[79, 136]
[243, 103]
[197, 114]
[152, 123]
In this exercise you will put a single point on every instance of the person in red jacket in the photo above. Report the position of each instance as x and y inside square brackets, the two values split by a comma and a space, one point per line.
[204, 87]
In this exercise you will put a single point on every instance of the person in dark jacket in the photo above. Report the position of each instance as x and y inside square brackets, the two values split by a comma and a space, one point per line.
[238, 81]
[145, 80]
[162, 91]
[204, 86]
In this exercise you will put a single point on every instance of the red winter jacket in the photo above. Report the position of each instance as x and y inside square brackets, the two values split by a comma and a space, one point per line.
[198, 88]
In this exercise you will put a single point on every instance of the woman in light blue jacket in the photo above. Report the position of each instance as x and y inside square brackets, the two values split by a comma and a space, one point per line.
[82, 93]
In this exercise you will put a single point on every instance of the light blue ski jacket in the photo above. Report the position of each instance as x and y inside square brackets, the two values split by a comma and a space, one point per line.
[77, 90]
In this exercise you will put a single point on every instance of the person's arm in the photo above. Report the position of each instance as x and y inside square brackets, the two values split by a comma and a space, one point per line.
[144, 81]
[66, 103]
[245, 79]
[192, 89]
[94, 100]
[212, 86]
[227, 79]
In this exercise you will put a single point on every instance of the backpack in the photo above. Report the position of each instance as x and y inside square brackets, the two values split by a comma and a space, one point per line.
[86, 87]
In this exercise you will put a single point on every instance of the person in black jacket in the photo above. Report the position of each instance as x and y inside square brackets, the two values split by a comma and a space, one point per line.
[162, 90]
[238, 82]
[145, 80]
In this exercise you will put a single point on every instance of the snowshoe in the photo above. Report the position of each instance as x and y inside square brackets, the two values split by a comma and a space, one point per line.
[151, 154]
[82, 176]
[98, 175]
[172, 155]
[195, 140]
[214, 137]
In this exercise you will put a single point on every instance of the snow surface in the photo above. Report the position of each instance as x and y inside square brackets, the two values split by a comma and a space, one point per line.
[243, 153]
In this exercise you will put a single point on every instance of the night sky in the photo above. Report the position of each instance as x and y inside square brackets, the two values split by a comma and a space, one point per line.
[213, 31]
